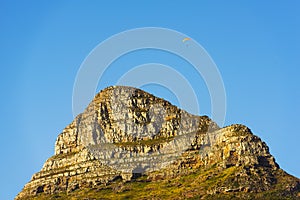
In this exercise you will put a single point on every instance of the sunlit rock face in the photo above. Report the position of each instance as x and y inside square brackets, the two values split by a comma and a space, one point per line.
[125, 133]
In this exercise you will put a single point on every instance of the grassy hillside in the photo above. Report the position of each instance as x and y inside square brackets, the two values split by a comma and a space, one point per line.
[194, 185]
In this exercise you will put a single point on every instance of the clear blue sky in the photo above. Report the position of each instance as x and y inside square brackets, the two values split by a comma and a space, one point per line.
[255, 45]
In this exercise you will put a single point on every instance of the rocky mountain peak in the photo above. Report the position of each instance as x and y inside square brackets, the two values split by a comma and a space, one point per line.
[127, 137]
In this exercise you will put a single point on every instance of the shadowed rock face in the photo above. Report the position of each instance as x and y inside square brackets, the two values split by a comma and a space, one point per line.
[126, 133]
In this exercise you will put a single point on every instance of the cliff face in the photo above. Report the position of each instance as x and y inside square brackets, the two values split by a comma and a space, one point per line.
[127, 138]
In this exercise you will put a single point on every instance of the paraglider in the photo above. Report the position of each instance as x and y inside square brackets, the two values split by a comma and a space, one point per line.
[186, 39]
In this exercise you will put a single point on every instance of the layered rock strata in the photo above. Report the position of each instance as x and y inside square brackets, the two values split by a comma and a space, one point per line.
[126, 133]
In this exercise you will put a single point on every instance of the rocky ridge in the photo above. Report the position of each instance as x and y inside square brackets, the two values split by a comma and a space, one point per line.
[127, 136]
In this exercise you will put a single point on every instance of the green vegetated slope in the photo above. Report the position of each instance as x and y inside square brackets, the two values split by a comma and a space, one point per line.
[194, 185]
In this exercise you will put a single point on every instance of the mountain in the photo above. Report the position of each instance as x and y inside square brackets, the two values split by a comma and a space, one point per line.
[129, 144]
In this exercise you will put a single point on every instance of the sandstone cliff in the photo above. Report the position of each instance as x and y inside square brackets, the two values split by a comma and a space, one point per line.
[131, 144]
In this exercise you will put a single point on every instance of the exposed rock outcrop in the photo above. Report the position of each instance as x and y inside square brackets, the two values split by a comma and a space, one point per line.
[126, 133]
